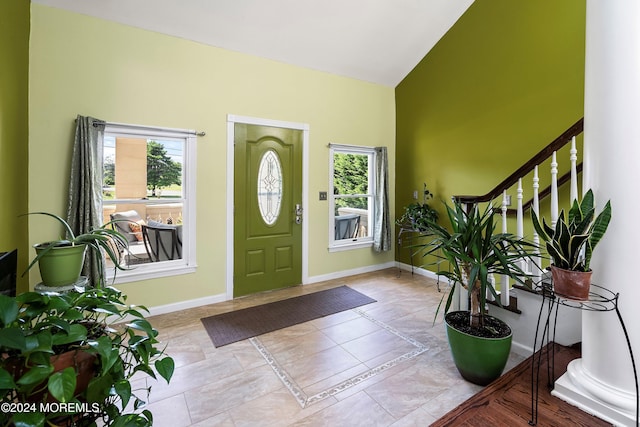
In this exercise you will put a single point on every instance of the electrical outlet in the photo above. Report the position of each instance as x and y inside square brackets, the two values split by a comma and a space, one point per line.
[415, 194]
[323, 195]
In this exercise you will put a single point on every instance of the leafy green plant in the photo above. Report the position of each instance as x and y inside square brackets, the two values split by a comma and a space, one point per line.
[417, 215]
[582, 229]
[475, 252]
[100, 239]
[34, 327]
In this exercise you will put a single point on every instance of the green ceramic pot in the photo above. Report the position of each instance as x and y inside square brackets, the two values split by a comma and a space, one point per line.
[61, 265]
[479, 360]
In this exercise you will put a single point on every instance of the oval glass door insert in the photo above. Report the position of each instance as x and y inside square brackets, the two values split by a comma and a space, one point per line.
[270, 187]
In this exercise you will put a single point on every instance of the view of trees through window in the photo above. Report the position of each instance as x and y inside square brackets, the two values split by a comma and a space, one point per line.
[162, 171]
[351, 178]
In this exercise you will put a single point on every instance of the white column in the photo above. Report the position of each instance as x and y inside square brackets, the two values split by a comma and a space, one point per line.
[602, 381]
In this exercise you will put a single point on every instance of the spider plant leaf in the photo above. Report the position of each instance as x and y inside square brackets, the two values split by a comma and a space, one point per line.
[39, 255]
[59, 219]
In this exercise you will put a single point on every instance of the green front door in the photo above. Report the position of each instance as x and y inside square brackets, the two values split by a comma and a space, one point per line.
[267, 208]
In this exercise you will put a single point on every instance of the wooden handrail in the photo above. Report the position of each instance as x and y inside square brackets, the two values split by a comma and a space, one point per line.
[545, 153]
[544, 193]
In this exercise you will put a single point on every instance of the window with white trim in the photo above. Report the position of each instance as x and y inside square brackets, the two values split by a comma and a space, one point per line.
[351, 184]
[149, 191]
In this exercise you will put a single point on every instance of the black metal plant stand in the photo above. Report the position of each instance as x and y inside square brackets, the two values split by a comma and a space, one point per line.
[600, 299]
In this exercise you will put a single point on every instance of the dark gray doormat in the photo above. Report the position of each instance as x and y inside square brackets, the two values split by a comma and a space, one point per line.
[249, 322]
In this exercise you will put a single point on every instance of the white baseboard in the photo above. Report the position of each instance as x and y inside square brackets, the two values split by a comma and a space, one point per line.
[346, 273]
[418, 270]
[184, 305]
[521, 349]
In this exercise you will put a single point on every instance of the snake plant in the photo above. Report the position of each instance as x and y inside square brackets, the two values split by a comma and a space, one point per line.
[582, 229]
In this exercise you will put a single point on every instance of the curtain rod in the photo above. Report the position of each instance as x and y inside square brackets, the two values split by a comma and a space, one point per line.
[150, 128]
[350, 147]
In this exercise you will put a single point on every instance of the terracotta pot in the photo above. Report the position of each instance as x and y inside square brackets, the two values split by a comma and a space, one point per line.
[83, 362]
[571, 284]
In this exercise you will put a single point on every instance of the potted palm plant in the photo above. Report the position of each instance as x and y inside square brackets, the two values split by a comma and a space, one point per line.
[480, 344]
[69, 359]
[60, 261]
[570, 244]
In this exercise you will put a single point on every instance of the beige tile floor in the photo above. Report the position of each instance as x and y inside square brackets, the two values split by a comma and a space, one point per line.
[381, 364]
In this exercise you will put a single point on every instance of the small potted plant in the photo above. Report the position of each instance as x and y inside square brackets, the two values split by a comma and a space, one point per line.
[480, 344]
[60, 261]
[417, 215]
[74, 348]
[570, 244]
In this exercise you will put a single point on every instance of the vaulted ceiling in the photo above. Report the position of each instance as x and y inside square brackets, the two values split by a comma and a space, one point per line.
[378, 41]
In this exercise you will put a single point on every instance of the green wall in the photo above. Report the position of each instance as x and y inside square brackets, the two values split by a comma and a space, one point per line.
[505, 80]
[84, 65]
[14, 71]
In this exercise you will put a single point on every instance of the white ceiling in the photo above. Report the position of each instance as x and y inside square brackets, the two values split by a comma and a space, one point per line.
[378, 41]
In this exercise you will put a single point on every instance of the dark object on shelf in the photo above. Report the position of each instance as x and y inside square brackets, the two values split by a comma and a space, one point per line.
[8, 270]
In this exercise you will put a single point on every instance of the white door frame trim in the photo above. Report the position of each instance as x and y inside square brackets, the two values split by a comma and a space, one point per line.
[231, 121]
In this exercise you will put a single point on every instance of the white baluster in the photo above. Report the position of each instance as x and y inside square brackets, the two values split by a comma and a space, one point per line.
[535, 269]
[519, 216]
[489, 295]
[504, 279]
[503, 209]
[554, 190]
[462, 294]
[536, 190]
[520, 225]
[573, 157]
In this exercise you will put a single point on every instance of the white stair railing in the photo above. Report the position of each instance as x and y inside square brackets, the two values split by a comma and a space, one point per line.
[530, 171]
[533, 267]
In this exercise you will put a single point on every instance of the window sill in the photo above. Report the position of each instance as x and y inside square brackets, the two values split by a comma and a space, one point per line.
[146, 274]
[351, 245]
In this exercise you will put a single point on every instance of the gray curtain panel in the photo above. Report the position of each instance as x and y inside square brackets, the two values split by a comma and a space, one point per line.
[382, 231]
[84, 211]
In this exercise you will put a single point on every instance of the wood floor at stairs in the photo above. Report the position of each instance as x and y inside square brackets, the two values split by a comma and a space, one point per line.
[507, 401]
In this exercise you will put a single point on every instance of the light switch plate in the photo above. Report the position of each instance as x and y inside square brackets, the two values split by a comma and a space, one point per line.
[323, 195]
